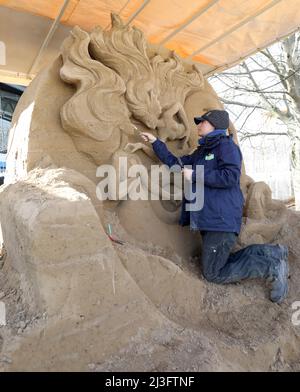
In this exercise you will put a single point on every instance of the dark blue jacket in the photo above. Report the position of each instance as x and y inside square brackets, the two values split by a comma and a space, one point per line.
[223, 198]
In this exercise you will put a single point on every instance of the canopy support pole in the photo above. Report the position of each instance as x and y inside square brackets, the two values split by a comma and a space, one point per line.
[188, 22]
[137, 12]
[234, 28]
[49, 36]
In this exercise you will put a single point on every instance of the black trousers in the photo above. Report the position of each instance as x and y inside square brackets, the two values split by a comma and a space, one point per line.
[219, 265]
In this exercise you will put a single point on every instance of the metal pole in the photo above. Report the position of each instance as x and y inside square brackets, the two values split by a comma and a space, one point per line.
[138, 11]
[188, 22]
[49, 36]
[234, 28]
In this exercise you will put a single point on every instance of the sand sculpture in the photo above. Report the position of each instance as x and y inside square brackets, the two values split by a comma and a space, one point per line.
[89, 303]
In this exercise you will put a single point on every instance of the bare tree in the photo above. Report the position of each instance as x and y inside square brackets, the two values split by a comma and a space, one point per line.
[269, 81]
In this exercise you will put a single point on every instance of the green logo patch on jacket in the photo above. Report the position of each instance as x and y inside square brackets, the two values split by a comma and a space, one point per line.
[209, 157]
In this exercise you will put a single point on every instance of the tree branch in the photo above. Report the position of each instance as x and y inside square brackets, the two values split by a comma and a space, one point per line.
[247, 117]
[247, 105]
[274, 108]
[249, 135]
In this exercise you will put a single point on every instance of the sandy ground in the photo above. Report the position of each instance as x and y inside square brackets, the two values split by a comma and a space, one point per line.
[202, 326]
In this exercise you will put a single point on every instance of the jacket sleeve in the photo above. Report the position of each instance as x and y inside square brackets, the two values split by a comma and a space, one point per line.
[228, 170]
[168, 158]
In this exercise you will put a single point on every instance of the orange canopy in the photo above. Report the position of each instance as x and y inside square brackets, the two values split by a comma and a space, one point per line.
[215, 33]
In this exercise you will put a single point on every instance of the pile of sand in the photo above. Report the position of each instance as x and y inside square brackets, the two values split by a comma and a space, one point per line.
[129, 307]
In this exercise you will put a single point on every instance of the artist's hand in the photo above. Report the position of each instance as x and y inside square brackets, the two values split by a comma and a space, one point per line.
[148, 137]
[187, 173]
